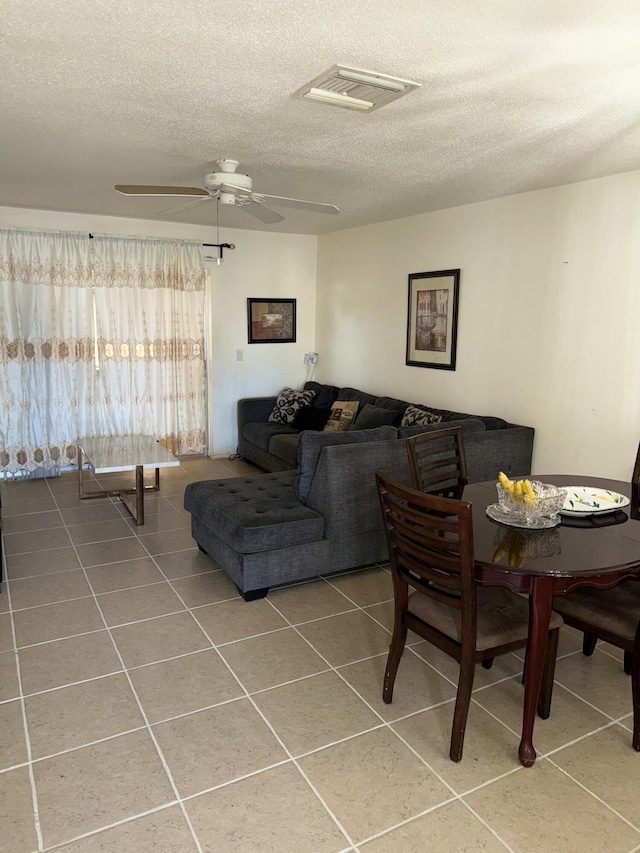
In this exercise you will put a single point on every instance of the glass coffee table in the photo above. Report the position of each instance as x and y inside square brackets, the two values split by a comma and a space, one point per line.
[123, 453]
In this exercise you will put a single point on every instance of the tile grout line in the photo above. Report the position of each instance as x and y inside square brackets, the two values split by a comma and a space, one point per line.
[189, 609]
[595, 796]
[140, 707]
[489, 782]
[25, 722]
[397, 735]
[248, 696]
[388, 725]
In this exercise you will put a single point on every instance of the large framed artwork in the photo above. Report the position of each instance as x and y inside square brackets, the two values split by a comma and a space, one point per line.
[271, 321]
[432, 322]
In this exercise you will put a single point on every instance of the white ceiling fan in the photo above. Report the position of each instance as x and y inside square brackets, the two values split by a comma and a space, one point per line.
[229, 187]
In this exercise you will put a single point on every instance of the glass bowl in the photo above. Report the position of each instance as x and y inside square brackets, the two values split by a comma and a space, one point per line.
[547, 503]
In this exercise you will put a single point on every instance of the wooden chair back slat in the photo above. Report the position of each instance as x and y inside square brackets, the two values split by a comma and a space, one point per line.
[437, 462]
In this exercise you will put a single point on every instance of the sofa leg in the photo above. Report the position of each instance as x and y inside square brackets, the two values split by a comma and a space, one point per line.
[254, 594]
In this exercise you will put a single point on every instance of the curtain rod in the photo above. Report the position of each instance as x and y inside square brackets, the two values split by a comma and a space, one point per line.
[212, 245]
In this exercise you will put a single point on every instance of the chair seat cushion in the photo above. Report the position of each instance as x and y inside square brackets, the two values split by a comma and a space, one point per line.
[503, 616]
[252, 514]
[616, 611]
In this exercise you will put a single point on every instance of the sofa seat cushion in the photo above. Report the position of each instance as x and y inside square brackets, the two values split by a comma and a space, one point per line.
[261, 434]
[252, 514]
[285, 446]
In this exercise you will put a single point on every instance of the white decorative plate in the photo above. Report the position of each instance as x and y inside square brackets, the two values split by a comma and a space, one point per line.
[584, 500]
[496, 512]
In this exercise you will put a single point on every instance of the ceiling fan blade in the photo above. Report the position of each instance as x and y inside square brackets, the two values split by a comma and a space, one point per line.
[127, 189]
[233, 188]
[316, 207]
[184, 206]
[264, 214]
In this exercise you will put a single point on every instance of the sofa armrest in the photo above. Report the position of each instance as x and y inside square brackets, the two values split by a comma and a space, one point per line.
[252, 410]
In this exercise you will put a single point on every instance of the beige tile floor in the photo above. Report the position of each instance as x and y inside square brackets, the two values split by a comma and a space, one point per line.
[146, 708]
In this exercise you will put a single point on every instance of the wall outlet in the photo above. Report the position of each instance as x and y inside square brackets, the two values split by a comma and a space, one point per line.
[239, 355]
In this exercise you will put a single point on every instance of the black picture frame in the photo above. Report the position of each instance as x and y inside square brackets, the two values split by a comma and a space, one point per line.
[271, 321]
[432, 319]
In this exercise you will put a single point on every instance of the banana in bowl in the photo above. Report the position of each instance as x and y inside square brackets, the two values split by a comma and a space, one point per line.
[529, 499]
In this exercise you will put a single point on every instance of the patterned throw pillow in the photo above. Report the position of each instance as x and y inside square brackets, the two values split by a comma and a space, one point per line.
[342, 416]
[288, 404]
[413, 416]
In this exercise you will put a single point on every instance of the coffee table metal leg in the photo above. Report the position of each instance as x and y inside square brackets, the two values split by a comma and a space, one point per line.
[80, 484]
[133, 499]
[139, 495]
[540, 601]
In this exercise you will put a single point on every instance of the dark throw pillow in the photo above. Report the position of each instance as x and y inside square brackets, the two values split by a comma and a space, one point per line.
[370, 417]
[310, 417]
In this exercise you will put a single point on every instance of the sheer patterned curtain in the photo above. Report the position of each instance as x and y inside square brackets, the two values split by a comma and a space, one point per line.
[149, 303]
[45, 348]
[113, 350]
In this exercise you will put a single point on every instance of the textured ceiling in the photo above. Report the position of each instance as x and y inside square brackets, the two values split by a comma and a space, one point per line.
[515, 96]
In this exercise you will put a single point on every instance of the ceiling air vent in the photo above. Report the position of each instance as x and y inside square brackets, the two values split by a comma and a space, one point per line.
[355, 89]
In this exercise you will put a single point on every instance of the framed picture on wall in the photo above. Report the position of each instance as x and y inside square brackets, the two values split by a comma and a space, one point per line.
[271, 321]
[432, 322]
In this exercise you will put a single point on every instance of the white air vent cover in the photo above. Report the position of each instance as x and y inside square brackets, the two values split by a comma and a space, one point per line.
[355, 89]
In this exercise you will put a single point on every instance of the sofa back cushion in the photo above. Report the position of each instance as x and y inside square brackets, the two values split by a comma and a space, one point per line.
[344, 491]
[370, 417]
[467, 424]
[310, 445]
[352, 394]
[325, 395]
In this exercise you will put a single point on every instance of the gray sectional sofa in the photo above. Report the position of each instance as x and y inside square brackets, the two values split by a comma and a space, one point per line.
[320, 513]
[488, 440]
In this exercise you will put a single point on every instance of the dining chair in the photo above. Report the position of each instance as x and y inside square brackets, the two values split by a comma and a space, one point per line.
[430, 542]
[612, 615]
[437, 462]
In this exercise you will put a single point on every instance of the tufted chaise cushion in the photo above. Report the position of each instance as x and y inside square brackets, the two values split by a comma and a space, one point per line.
[253, 514]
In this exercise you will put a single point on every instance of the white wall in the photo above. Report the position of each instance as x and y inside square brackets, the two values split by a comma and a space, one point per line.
[262, 265]
[549, 319]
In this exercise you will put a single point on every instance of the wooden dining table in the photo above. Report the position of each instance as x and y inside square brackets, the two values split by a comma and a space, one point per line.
[597, 551]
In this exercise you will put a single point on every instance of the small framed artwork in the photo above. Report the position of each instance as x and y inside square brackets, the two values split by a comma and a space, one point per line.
[272, 321]
[432, 322]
